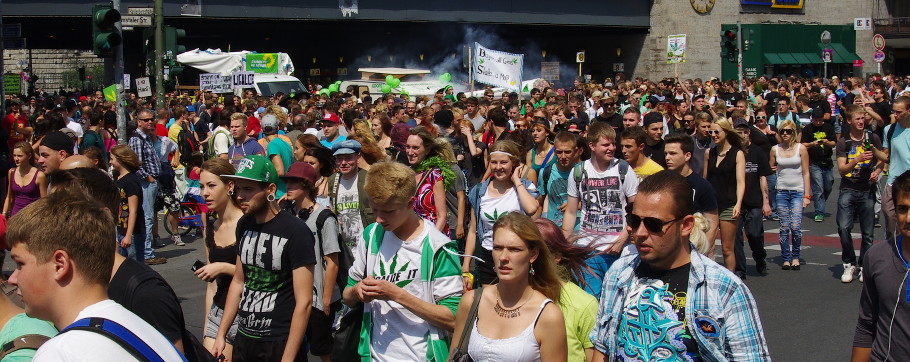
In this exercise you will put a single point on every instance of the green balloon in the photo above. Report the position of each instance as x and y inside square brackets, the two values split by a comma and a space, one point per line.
[386, 89]
[338, 83]
[395, 83]
[333, 88]
[389, 78]
[445, 78]
[324, 91]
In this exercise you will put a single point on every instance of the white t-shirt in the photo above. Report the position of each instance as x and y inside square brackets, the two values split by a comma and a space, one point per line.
[222, 141]
[76, 127]
[79, 345]
[491, 208]
[347, 208]
[603, 202]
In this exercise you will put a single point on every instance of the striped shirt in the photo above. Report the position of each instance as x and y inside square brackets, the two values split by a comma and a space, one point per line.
[145, 149]
[714, 296]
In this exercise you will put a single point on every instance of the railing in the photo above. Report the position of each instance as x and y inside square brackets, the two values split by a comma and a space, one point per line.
[892, 26]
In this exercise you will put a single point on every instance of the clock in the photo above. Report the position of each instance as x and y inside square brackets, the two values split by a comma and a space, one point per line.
[702, 6]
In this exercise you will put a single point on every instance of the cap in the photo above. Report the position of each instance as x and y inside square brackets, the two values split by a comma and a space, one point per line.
[816, 90]
[597, 94]
[345, 147]
[58, 141]
[255, 168]
[552, 94]
[311, 131]
[740, 122]
[260, 110]
[331, 117]
[82, 99]
[269, 123]
[653, 117]
[301, 170]
[191, 108]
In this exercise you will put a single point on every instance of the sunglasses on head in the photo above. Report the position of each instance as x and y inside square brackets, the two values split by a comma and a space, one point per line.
[652, 224]
[787, 131]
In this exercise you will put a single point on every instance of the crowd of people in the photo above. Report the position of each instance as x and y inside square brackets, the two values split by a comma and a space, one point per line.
[578, 224]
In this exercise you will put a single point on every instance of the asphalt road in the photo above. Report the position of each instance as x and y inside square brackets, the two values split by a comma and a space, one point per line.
[807, 315]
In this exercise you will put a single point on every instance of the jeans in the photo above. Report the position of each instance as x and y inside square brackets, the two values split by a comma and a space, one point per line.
[599, 264]
[772, 192]
[751, 224]
[149, 193]
[852, 202]
[135, 250]
[790, 206]
[821, 179]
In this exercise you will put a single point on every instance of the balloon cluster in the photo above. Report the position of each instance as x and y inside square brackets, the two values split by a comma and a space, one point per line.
[332, 88]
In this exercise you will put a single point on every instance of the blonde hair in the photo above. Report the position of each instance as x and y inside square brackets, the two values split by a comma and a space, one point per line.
[733, 137]
[510, 147]
[788, 123]
[390, 182]
[363, 127]
[278, 112]
[699, 236]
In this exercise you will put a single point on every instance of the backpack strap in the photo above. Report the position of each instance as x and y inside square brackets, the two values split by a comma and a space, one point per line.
[366, 211]
[25, 341]
[334, 181]
[545, 177]
[119, 334]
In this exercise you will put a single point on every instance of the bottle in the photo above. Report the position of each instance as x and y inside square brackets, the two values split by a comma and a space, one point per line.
[867, 145]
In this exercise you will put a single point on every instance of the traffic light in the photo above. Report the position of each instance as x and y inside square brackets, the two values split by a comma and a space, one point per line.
[747, 39]
[729, 46]
[105, 35]
[171, 36]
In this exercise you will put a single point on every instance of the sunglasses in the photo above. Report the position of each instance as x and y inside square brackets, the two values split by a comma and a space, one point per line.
[145, 119]
[761, 117]
[652, 224]
[787, 131]
[611, 104]
[713, 132]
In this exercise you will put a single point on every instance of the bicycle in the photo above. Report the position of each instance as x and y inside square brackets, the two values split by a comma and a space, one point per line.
[190, 216]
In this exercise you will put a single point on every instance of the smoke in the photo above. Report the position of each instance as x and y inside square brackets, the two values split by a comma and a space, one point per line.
[445, 48]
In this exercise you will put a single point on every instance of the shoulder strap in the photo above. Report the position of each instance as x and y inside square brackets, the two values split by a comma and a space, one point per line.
[25, 341]
[891, 134]
[545, 177]
[469, 325]
[539, 312]
[320, 222]
[119, 334]
[579, 174]
[334, 181]
[623, 169]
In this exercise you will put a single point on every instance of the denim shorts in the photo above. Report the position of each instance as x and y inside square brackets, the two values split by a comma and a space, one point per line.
[214, 321]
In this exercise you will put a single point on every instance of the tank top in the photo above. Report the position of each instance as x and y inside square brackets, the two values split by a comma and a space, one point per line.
[24, 195]
[790, 171]
[547, 160]
[521, 348]
[723, 177]
[219, 254]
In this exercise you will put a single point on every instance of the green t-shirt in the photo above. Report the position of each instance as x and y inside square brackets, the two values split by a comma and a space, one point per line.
[20, 325]
[580, 311]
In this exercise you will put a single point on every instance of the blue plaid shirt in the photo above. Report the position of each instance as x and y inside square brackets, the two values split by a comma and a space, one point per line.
[144, 147]
[714, 294]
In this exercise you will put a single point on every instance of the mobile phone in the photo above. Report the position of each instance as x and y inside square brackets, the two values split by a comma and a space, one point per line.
[198, 264]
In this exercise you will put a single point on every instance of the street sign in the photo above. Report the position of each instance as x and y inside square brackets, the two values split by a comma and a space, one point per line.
[827, 54]
[879, 56]
[580, 57]
[12, 30]
[862, 23]
[140, 11]
[14, 43]
[136, 20]
[878, 42]
[858, 63]
[143, 87]
[126, 81]
[619, 67]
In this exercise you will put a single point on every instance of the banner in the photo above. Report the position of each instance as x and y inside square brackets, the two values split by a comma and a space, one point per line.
[676, 49]
[143, 87]
[262, 62]
[215, 83]
[497, 68]
[126, 81]
[242, 79]
[12, 84]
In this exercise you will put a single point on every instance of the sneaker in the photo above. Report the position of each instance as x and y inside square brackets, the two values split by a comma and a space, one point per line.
[156, 261]
[847, 277]
[877, 223]
[860, 271]
[761, 268]
[177, 241]
[819, 218]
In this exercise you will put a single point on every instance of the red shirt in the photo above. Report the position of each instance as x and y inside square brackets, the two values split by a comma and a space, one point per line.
[14, 137]
[160, 130]
[253, 127]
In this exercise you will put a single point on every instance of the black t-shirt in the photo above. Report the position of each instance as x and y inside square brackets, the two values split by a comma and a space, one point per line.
[771, 97]
[821, 155]
[704, 199]
[202, 129]
[757, 165]
[858, 177]
[218, 254]
[269, 253]
[657, 303]
[656, 153]
[129, 186]
[615, 121]
[152, 298]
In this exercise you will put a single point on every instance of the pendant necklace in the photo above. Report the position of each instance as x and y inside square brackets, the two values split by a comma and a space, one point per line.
[508, 313]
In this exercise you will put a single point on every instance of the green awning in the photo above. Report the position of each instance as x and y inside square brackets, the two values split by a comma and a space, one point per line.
[841, 54]
[792, 58]
[772, 58]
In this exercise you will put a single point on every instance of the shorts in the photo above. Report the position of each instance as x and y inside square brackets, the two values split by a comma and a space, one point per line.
[727, 214]
[168, 200]
[252, 349]
[214, 321]
[319, 330]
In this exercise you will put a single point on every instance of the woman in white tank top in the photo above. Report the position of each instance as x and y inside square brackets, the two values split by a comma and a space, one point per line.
[516, 318]
[793, 191]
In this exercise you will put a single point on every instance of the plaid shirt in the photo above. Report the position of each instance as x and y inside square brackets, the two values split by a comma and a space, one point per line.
[714, 293]
[145, 149]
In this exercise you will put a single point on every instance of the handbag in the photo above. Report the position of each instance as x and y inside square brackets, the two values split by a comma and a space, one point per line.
[461, 353]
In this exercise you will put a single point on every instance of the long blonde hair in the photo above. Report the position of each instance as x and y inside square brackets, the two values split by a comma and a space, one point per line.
[789, 123]
[544, 277]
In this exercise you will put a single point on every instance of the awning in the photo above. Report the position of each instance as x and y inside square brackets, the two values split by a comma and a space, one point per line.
[841, 54]
[793, 58]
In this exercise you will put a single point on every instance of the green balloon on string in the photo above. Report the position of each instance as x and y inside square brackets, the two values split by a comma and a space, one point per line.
[389, 78]
[386, 89]
[395, 83]
[445, 78]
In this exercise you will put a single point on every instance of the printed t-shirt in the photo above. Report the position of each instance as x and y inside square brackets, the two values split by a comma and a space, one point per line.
[858, 178]
[326, 244]
[820, 156]
[347, 208]
[653, 321]
[603, 201]
[757, 165]
[557, 194]
[129, 185]
[491, 208]
[269, 253]
[14, 137]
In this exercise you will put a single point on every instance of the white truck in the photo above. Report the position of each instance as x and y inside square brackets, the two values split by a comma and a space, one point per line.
[272, 70]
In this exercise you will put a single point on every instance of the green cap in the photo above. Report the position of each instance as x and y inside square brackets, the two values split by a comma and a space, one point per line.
[255, 168]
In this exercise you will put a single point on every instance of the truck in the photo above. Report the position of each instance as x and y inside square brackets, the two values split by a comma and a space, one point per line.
[272, 71]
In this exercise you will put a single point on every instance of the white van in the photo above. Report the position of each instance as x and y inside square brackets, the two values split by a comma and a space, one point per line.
[414, 81]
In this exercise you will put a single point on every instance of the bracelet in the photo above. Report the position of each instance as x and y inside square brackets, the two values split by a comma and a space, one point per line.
[808, 197]
[469, 277]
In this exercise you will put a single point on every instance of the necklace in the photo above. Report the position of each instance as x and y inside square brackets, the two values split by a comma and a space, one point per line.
[508, 313]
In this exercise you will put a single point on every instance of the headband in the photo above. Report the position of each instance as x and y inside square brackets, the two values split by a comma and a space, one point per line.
[501, 153]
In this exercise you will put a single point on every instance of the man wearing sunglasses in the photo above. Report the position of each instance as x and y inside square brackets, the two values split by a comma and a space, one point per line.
[609, 114]
[703, 312]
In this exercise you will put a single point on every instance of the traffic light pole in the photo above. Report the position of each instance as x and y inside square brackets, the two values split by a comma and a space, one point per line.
[739, 54]
[118, 81]
[2, 72]
[159, 52]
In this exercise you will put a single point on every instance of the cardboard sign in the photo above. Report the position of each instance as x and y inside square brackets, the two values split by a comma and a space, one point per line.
[215, 83]
[243, 79]
[126, 81]
[143, 87]
[676, 49]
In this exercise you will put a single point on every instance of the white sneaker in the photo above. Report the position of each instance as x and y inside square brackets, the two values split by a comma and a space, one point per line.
[847, 277]
[860, 274]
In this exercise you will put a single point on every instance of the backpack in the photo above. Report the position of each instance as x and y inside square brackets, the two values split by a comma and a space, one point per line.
[186, 144]
[777, 120]
[345, 257]
[580, 173]
[210, 150]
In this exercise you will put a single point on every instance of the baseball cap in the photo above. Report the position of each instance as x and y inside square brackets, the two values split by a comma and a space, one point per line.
[331, 117]
[301, 170]
[653, 117]
[345, 147]
[269, 123]
[255, 168]
[58, 141]
[597, 94]
[740, 122]
[818, 113]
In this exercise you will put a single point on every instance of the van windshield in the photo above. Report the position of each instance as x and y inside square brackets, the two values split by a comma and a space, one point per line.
[286, 87]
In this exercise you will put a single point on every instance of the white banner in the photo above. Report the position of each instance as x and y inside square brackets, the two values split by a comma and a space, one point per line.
[676, 48]
[215, 83]
[143, 87]
[126, 81]
[497, 68]
[243, 79]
